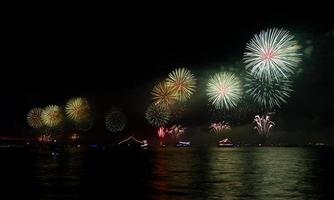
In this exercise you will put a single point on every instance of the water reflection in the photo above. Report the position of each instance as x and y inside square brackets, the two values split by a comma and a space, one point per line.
[57, 176]
[241, 173]
[173, 173]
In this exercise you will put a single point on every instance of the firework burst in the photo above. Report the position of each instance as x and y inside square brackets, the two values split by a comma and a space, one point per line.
[52, 116]
[176, 131]
[115, 120]
[219, 127]
[183, 82]
[162, 132]
[74, 137]
[268, 94]
[34, 118]
[272, 54]
[157, 115]
[164, 94]
[224, 90]
[45, 138]
[78, 110]
[263, 125]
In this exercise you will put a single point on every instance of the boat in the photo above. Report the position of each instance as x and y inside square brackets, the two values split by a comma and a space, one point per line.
[225, 143]
[144, 144]
[182, 144]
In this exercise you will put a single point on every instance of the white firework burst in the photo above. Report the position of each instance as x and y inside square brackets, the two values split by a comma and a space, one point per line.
[263, 125]
[224, 90]
[272, 54]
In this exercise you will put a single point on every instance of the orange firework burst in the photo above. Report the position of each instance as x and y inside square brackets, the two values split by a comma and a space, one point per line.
[34, 118]
[78, 109]
[183, 82]
[52, 116]
[164, 94]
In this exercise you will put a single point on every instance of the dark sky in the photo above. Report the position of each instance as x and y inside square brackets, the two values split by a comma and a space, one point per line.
[114, 59]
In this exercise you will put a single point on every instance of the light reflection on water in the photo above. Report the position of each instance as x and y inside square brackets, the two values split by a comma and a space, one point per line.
[172, 173]
[242, 173]
[58, 176]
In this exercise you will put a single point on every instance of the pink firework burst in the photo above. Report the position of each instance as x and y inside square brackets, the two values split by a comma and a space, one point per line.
[162, 132]
[176, 131]
[219, 127]
[44, 138]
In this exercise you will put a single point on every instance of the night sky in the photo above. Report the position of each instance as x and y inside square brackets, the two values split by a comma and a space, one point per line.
[115, 59]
